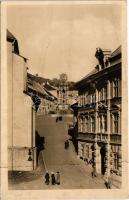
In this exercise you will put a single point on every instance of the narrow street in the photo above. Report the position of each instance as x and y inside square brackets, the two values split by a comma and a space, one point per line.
[75, 174]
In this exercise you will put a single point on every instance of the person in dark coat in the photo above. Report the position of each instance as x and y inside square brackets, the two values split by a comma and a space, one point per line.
[53, 180]
[58, 178]
[94, 173]
[100, 56]
[66, 144]
[108, 183]
[47, 178]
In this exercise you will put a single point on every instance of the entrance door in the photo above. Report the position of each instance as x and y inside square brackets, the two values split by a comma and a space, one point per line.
[103, 160]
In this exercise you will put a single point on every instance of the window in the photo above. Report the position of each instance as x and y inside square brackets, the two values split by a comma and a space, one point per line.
[116, 161]
[87, 151]
[83, 124]
[80, 99]
[83, 100]
[105, 123]
[93, 98]
[116, 88]
[103, 93]
[79, 124]
[116, 156]
[88, 98]
[92, 124]
[81, 103]
[87, 124]
[101, 124]
[116, 123]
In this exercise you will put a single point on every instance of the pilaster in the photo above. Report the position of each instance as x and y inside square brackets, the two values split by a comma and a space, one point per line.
[107, 148]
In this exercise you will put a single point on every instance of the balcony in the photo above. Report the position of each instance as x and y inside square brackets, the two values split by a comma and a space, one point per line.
[86, 136]
[102, 137]
[115, 138]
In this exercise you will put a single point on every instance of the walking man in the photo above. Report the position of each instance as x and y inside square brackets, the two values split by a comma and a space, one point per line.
[58, 178]
[53, 180]
[47, 178]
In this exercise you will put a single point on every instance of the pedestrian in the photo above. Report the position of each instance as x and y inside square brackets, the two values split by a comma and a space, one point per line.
[94, 173]
[66, 144]
[58, 178]
[47, 178]
[108, 183]
[53, 180]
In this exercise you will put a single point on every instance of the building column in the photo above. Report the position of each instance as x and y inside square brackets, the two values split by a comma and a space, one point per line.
[97, 161]
[107, 156]
[120, 161]
[84, 124]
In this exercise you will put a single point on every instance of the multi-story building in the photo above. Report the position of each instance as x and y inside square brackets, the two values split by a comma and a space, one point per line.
[66, 93]
[47, 102]
[62, 92]
[99, 114]
[21, 112]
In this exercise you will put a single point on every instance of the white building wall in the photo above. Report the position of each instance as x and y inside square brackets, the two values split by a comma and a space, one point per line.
[9, 75]
[21, 123]
[22, 130]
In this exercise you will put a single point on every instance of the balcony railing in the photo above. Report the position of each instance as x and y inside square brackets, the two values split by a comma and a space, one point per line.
[102, 137]
[115, 138]
[86, 136]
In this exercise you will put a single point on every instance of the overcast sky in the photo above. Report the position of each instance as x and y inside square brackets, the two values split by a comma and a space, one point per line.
[63, 38]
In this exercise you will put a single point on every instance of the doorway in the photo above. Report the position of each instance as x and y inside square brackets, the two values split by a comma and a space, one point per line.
[103, 160]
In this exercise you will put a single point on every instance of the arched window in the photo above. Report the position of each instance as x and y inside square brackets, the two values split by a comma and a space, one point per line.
[116, 123]
[92, 124]
[116, 87]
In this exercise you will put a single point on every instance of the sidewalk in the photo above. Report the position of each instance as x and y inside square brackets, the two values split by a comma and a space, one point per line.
[73, 176]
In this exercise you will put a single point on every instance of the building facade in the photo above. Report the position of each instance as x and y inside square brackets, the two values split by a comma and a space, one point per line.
[66, 94]
[21, 113]
[48, 101]
[62, 92]
[99, 115]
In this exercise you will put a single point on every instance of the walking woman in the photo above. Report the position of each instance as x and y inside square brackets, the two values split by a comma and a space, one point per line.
[58, 178]
[47, 178]
[53, 180]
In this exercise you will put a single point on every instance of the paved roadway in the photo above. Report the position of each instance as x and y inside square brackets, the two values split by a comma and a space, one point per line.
[74, 173]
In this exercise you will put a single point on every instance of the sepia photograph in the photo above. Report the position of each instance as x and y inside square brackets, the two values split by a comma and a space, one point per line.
[64, 92]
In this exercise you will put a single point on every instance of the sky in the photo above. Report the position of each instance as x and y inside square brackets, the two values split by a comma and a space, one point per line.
[63, 38]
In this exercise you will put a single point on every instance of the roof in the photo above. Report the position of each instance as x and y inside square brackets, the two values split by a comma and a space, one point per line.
[94, 72]
[116, 52]
[87, 76]
[49, 87]
[11, 38]
[50, 94]
[41, 80]
[37, 87]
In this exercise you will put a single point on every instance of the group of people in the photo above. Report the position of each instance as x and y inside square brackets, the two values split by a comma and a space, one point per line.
[53, 178]
[59, 118]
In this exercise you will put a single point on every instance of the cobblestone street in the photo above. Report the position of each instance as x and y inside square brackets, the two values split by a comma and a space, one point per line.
[75, 174]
